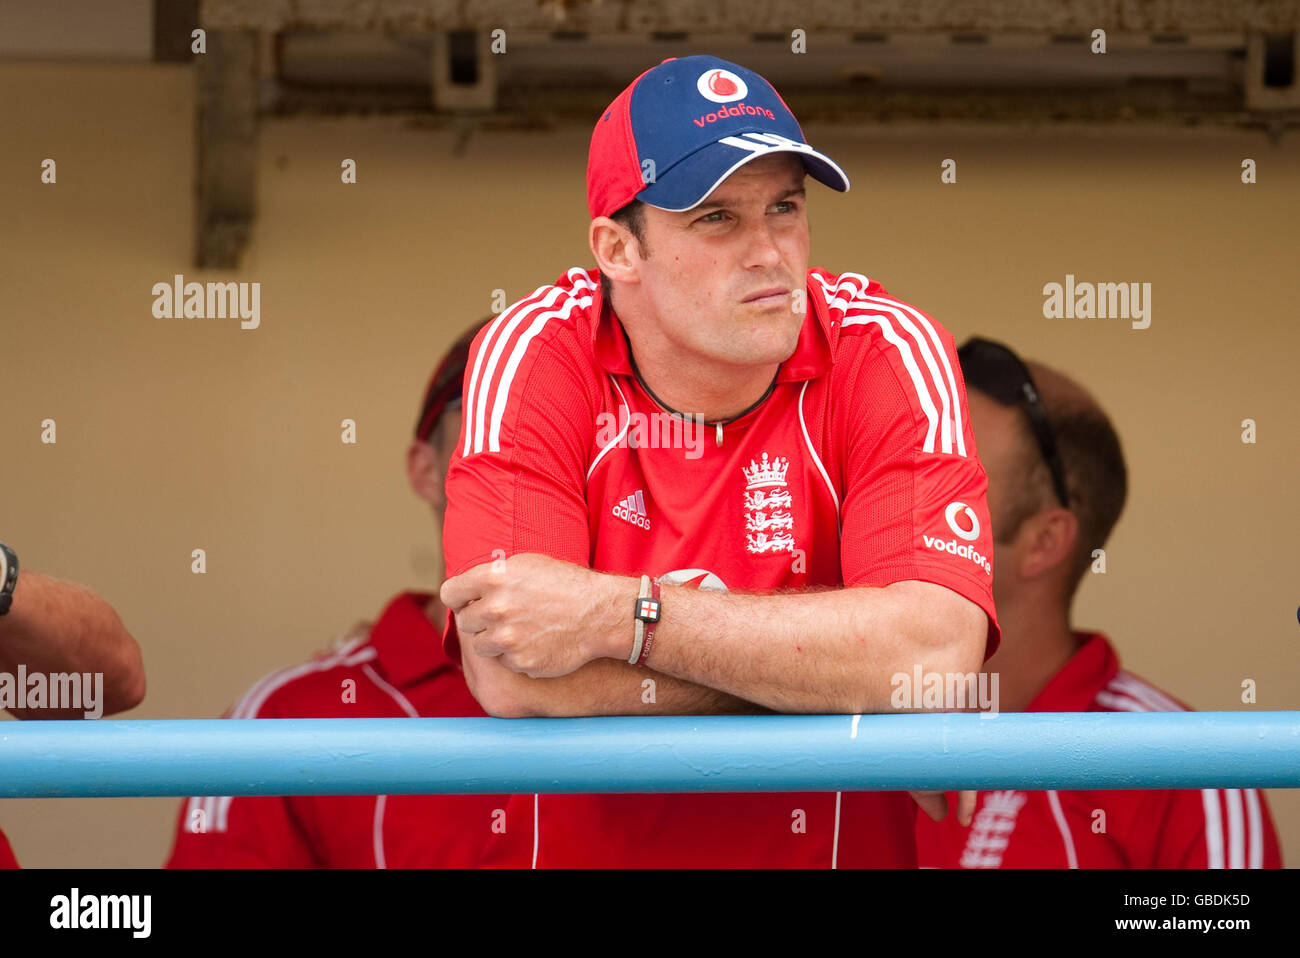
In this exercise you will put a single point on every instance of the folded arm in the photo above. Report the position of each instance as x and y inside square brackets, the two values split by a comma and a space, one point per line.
[601, 687]
[828, 651]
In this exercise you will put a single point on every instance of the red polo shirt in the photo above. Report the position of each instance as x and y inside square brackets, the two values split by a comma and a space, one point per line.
[859, 468]
[1128, 828]
[7, 859]
[398, 670]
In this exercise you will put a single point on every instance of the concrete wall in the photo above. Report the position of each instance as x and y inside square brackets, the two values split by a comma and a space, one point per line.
[76, 29]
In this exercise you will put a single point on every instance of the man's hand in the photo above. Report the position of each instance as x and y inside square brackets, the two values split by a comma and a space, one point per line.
[935, 804]
[541, 617]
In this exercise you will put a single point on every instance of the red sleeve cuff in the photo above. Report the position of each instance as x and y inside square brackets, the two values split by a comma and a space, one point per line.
[976, 592]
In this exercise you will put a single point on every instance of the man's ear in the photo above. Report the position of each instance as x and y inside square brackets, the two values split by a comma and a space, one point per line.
[612, 248]
[1053, 535]
[423, 472]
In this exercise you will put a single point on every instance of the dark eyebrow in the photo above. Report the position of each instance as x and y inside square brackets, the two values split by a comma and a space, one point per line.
[722, 205]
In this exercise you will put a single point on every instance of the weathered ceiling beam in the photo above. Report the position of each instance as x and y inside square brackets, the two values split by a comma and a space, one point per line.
[747, 17]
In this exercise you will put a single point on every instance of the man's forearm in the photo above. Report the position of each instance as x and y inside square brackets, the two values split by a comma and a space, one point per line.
[832, 651]
[601, 687]
[58, 626]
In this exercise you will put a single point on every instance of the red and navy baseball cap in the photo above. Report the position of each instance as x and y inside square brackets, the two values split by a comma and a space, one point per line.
[683, 127]
[447, 382]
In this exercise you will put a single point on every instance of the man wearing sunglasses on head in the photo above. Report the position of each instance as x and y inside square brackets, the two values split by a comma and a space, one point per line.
[1057, 483]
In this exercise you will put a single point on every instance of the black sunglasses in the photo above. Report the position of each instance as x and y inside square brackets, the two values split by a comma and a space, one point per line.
[999, 373]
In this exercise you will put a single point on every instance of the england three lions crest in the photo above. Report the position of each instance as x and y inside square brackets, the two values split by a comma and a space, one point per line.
[769, 523]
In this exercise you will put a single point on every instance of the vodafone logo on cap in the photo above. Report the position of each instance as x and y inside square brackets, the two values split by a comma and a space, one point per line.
[951, 515]
[721, 86]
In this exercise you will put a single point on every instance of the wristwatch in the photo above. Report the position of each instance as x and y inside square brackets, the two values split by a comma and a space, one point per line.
[8, 577]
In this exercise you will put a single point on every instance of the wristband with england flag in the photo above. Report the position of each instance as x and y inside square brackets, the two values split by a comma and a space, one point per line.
[648, 611]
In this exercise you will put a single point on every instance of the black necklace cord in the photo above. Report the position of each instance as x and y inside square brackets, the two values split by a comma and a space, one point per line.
[717, 423]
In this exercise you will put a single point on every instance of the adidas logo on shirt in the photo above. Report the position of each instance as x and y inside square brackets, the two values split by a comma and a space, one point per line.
[632, 509]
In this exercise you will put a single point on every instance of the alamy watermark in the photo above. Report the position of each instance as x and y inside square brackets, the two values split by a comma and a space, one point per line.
[181, 300]
[133, 913]
[945, 691]
[1073, 300]
[65, 691]
[656, 430]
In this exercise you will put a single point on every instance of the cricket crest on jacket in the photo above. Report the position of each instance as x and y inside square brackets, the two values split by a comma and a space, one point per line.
[769, 518]
[992, 829]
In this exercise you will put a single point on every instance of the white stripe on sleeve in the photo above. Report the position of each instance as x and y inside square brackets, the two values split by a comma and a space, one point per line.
[500, 332]
[902, 327]
[1213, 828]
[1236, 829]
[1255, 818]
[1058, 813]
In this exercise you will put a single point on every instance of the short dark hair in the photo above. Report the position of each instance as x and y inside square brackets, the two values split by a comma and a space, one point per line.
[631, 216]
[1096, 479]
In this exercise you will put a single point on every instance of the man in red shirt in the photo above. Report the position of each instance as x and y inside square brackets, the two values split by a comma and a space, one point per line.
[1057, 483]
[706, 478]
[395, 668]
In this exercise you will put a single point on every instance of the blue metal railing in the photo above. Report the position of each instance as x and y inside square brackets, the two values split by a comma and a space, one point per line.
[1063, 750]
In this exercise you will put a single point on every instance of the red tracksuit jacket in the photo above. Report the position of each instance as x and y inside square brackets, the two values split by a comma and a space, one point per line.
[399, 670]
[1140, 828]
